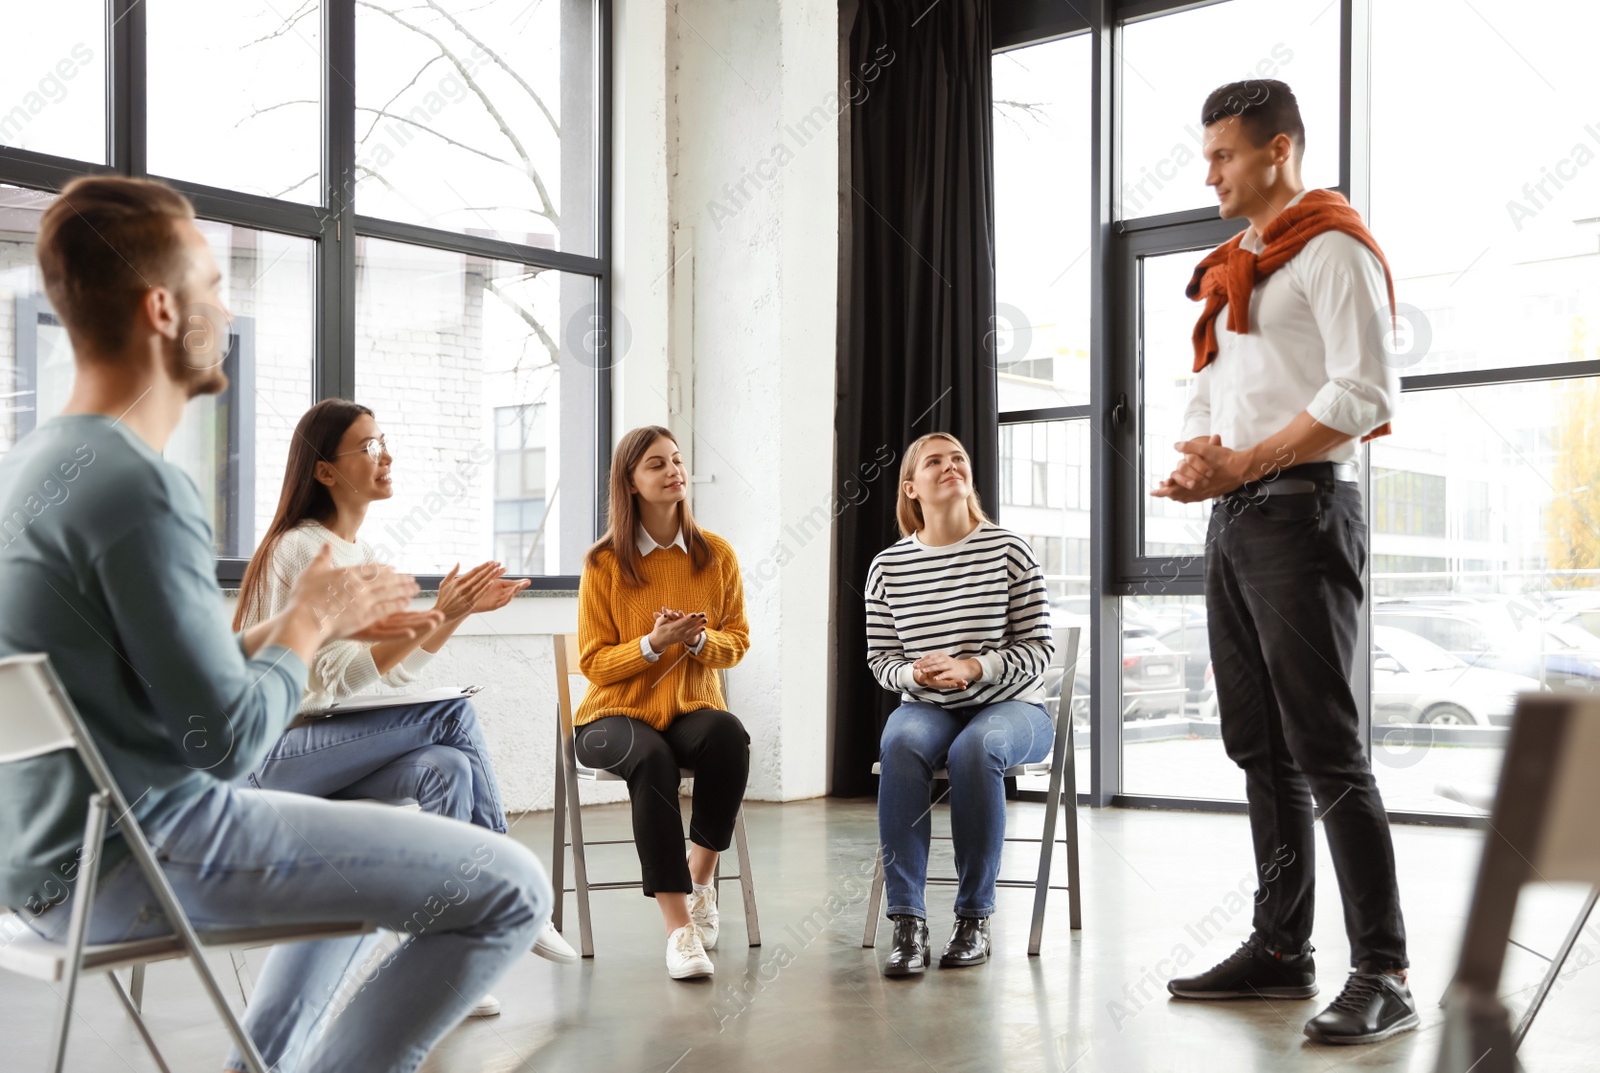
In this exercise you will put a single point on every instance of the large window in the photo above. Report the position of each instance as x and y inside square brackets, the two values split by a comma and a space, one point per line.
[1484, 563]
[1041, 144]
[53, 79]
[409, 206]
[1170, 64]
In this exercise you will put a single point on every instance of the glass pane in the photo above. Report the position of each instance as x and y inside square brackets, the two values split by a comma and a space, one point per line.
[1042, 227]
[235, 444]
[1166, 356]
[1056, 527]
[1514, 279]
[444, 344]
[478, 117]
[26, 323]
[1170, 64]
[1171, 736]
[53, 79]
[1485, 576]
[235, 96]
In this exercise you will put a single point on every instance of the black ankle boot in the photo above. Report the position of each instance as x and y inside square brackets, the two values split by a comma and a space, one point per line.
[968, 945]
[908, 951]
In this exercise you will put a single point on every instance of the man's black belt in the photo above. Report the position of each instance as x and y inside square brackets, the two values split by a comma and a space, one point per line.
[1297, 480]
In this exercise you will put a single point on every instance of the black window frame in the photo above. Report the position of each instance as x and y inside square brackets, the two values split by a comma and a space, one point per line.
[334, 225]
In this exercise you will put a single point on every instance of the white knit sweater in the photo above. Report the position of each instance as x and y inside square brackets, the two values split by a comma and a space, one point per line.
[340, 668]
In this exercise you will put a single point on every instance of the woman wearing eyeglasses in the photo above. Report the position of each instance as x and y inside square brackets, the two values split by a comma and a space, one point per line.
[433, 753]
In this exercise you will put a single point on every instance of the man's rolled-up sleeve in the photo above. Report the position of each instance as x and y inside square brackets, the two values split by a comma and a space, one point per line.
[1349, 298]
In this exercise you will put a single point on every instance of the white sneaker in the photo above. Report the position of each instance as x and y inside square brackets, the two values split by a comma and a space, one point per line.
[703, 914]
[686, 956]
[488, 1006]
[552, 947]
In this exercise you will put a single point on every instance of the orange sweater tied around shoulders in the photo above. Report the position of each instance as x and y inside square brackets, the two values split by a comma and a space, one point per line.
[1228, 274]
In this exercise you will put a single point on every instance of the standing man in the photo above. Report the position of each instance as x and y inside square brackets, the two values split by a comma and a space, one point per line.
[1291, 376]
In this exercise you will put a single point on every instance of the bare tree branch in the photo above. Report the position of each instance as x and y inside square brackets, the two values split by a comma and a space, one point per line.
[286, 190]
[1017, 111]
[309, 7]
[495, 56]
[396, 97]
[493, 286]
[505, 129]
[468, 148]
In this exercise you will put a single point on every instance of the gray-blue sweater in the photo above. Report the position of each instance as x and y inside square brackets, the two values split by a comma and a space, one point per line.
[107, 566]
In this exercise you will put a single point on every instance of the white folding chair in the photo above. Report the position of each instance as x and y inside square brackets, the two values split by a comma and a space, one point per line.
[40, 719]
[568, 774]
[1063, 793]
[1542, 828]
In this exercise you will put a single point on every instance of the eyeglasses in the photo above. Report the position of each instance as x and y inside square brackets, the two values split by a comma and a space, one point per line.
[374, 449]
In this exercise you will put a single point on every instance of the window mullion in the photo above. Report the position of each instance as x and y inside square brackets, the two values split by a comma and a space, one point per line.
[336, 313]
[126, 111]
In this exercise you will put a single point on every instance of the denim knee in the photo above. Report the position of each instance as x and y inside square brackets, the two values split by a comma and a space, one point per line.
[451, 773]
[521, 887]
[902, 745]
[974, 755]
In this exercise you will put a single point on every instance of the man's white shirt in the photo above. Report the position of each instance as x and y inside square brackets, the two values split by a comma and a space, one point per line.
[1315, 343]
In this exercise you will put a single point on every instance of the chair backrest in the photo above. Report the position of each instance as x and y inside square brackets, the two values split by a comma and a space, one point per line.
[1549, 772]
[32, 719]
[1066, 657]
[566, 654]
[565, 647]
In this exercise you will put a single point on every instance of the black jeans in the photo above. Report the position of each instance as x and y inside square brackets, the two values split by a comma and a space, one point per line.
[710, 742]
[1283, 603]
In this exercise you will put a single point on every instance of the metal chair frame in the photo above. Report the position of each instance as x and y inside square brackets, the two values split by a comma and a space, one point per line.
[42, 719]
[569, 818]
[1060, 800]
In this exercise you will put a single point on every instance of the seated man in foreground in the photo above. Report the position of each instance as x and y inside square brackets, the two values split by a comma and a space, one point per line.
[106, 563]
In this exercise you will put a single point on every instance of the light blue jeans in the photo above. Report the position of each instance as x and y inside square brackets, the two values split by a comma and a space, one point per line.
[470, 901]
[431, 753]
[976, 744]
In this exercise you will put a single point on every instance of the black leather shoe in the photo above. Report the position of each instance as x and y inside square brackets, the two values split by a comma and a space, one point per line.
[968, 945]
[908, 951]
[1252, 971]
[1372, 1006]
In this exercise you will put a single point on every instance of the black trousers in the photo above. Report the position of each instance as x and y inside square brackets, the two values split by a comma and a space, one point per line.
[1283, 603]
[710, 742]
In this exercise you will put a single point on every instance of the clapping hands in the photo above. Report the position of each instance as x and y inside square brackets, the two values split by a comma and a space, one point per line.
[676, 627]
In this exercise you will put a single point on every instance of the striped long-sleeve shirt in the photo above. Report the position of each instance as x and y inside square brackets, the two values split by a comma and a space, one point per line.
[981, 598]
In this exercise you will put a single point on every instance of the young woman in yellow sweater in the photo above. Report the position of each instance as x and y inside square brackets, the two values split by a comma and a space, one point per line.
[660, 610]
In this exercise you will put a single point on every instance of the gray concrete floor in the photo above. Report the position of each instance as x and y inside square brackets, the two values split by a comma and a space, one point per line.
[810, 998]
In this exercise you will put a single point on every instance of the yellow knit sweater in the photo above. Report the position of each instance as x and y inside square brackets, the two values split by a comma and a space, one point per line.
[613, 615]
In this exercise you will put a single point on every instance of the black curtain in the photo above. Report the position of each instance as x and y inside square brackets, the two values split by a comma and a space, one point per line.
[916, 292]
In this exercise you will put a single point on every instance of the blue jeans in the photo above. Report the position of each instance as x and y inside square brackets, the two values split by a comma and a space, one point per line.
[433, 753]
[471, 902]
[976, 745]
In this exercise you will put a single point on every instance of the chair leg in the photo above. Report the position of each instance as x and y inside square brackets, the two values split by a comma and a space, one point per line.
[869, 936]
[240, 970]
[558, 842]
[94, 833]
[747, 883]
[1047, 845]
[130, 1004]
[136, 987]
[1069, 802]
[1554, 970]
[580, 866]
